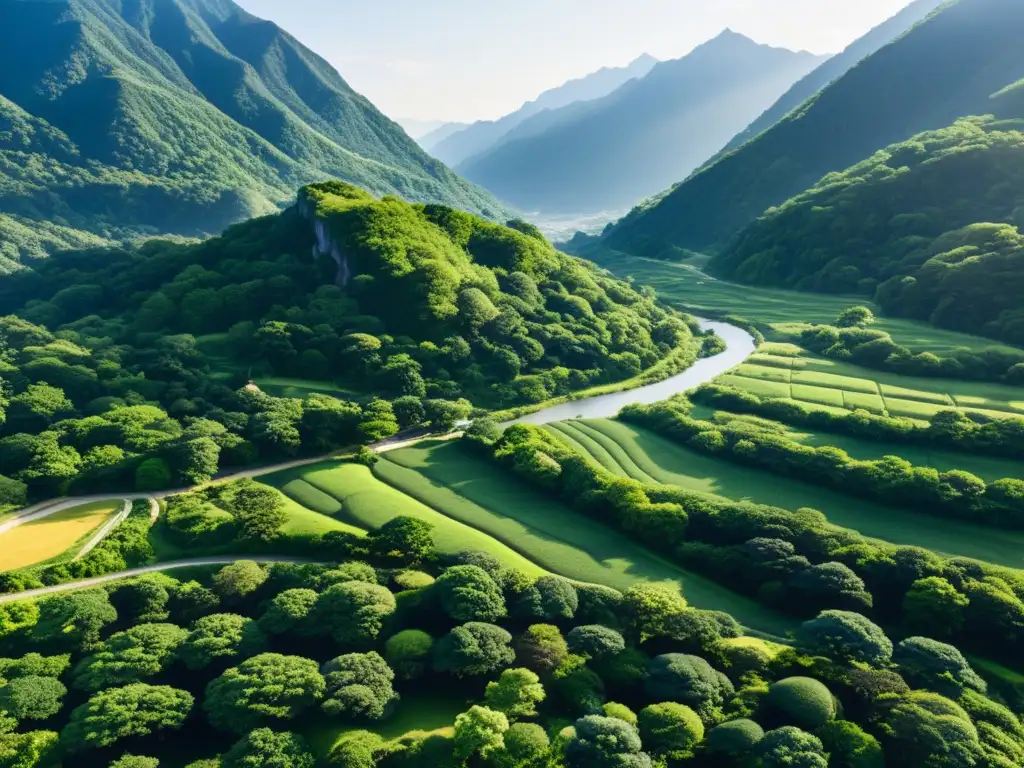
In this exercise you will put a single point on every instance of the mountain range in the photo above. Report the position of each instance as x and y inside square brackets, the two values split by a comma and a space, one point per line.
[461, 145]
[608, 153]
[180, 116]
[960, 61]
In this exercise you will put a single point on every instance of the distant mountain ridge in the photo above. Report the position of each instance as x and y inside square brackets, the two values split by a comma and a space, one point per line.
[182, 116]
[947, 67]
[481, 136]
[608, 153]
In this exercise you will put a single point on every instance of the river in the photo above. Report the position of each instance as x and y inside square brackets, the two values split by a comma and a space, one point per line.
[739, 346]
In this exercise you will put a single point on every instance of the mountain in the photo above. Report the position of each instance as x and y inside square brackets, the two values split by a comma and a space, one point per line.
[430, 140]
[480, 136]
[928, 227]
[945, 68]
[837, 66]
[417, 129]
[182, 116]
[608, 153]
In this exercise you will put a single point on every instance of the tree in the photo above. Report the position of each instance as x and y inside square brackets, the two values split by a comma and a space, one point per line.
[549, 598]
[480, 731]
[73, 621]
[855, 317]
[32, 697]
[195, 461]
[35, 749]
[258, 508]
[13, 493]
[152, 475]
[802, 701]
[219, 638]
[444, 415]
[595, 641]
[135, 761]
[541, 648]
[467, 593]
[670, 730]
[378, 421]
[408, 653]
[605, 742]
[689, 680]
[409, 411]
[144, 600]
[190, 600]
[35, 664]
[516, 693]
[647, 606]
[17, 617]
[526, 746]
[927, 663]
[923, 728]
[845, 636]
[850, 747]
[239, 580]
[129, 657]
[933, 605]
[359, 686]
[269, 688]
[358, 749]
[831, 584]
[790, 747]
[290, 612]
[39, 406]
[474, 648]
[121, 713]
[406, 539]
[354, 612]
[263, 748]
[735, 738]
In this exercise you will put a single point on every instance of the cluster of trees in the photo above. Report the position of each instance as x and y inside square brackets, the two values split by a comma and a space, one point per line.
[891, 479]
[254, 658]
[872, 348]
[949, 430]
[772, 553]
[927, 226]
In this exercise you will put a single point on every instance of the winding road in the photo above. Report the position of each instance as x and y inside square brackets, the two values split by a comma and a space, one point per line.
[739, 346]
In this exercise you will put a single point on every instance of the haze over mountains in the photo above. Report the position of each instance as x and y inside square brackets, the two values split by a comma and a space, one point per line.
[611, 152]
[179, 116]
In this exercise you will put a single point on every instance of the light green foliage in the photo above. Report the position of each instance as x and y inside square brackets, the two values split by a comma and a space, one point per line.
[74, 621]
[135, 761]
[359, 686]
[263, 748]
[268, 688]
[541, 648]
[526, 746]
[848, 746]
[480, 731]
[289, 612]
[34, 664]
[131, 656]
[845, 635]
[621, 711]
[119, 713]
[28, 750]
[790, 746]
[805, 702]
[239, 580]
[669, 729]
[221, 638]
[474, 648]
[605, 742]
[689, 680]
[353, 612]
[408, 653]
[647, 606]
[32, 697]
[467, 593]
[18, 616]
[516, 693]
[922, 727]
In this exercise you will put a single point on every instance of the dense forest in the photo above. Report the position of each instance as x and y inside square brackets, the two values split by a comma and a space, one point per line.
[954, 64]
[180, 116]
[928, 227]
[132, 366]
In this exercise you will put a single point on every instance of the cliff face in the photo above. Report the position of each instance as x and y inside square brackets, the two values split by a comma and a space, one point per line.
[325, 245]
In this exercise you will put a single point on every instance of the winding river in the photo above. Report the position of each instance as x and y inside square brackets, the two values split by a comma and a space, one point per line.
[739, 346]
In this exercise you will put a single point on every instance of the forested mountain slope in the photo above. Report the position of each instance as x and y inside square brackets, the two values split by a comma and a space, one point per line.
[930, 224]
[482, 136]
[647, 134]
[945, 68]
[836, 67]
[183, 116]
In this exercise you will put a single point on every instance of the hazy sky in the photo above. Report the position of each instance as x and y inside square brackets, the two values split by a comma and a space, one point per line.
[476, 59]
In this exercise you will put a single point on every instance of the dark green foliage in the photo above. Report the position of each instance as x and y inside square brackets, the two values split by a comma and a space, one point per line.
[541, 648]
[406, 539]
[359, 686]
[468, 594]
[258, 509]
[943, 69]
[120, 713]
[472, 649]
[408, 653]
[526, 745]
[803, 701]
[689, 680]
[141, 601]
[737, 737]
[219, 639]
[516, 693]
[191, 600]
[263, 748]
[921, 728]
[790, 746]
[353, 612]
[595, 641]
[269, 688]
[605, 742]
[32, 697]
[848, 746]
[577, 686]
[73, 621]
[846, 636]
[290, 612]
[927, 663]
[670, 730]
[240, 580]
[131, 656]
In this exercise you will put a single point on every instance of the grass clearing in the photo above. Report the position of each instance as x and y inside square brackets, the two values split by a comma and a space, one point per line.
[551, 534]
[300, 388]
[674, 464]
[558, 431]
[627, 465]
[50, 537]
[820, 395]
[757, 386]
[592, 448]
[834, 381]
[853, 401]
[765, 372]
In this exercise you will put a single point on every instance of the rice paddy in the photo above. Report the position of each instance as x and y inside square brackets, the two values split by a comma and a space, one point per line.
[50, 537]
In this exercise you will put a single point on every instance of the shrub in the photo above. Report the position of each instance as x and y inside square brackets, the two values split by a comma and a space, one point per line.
[670, 729]
[804, 701]
[408, 653]
[845, 636]
[737, 737]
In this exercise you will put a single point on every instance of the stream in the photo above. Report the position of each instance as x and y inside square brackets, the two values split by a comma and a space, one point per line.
[739, 346]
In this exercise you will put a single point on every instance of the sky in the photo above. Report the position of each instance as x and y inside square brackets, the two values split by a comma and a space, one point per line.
[465, 60]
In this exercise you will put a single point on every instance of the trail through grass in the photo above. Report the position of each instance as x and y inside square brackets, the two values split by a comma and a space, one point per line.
[49, 537]
[674, 464]
[551, 534]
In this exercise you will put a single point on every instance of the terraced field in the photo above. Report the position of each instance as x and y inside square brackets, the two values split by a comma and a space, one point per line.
[50, 537]
[672, 464]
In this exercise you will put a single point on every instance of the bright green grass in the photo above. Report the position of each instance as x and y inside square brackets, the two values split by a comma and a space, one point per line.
[860, 401]
[757, 386]
[368, 503]
[689, 288]
[593, 449]
[562, 435]
[992, 669]
[419, 711]
[903, 393]
[550, 533]
[774, 361]
[674, 464]
[831, 380]
[303, 521]
[627, 465]
[300, 388]
[765, 372]
[913, 409]
[821, 395]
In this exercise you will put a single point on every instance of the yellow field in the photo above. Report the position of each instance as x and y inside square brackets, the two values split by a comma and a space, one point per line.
[41, 540]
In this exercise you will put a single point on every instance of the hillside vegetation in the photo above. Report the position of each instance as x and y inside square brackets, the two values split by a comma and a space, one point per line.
[182, 116]
[954, 64]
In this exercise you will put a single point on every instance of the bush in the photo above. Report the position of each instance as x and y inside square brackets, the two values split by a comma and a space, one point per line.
[845, 636]
[409, 653]
[670, 730]
[735, 738]
[803, 701]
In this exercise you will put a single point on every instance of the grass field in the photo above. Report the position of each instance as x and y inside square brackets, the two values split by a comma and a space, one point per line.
[65, 531]
[555, 537]
[674, 464]
[350, 493]
[693, 290]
